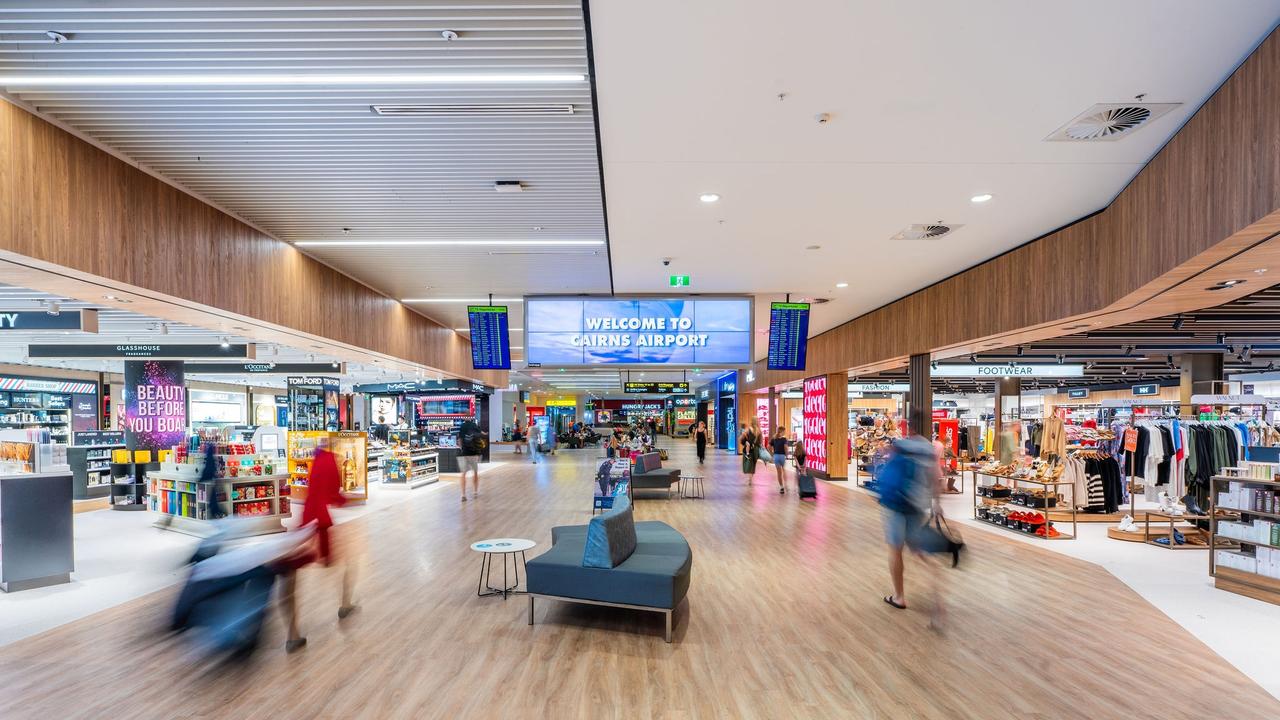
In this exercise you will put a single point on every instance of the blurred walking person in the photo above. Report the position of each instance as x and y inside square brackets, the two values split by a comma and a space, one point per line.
[909, 484]
[779, 446]
[323, 492]
[749, 443]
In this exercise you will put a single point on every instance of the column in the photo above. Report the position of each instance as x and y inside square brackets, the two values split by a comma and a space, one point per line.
[773, 414]
[920, 397]
[1008, 404]
[838, 426]
[1200, 374]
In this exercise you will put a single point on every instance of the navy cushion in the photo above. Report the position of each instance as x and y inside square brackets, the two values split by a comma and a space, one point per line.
[656, 575]
[611, 536]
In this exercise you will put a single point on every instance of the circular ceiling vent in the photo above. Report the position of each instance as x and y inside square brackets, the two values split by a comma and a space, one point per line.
[926, 231]
[1108, 123]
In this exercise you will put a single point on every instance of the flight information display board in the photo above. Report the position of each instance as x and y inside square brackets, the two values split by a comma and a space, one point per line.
[490, 337]
[788, 335]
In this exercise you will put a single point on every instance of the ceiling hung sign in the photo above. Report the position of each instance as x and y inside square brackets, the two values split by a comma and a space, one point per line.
[1078, 393]
[999, 370]
[1147, 389]
[881, 387]
[58, 386]
[265, 368]
[644, 331]
[39, 320]
[142, 351]
[657, 388]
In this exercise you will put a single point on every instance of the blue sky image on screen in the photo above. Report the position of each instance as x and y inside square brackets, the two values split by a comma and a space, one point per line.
[551, 325]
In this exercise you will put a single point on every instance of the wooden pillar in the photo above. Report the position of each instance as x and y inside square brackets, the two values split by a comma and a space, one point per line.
[921, 396]
[1200, 374]
[838, 426]
[1008, 392]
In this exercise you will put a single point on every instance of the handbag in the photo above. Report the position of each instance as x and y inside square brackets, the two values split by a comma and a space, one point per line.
[955, 542]
[763, 454]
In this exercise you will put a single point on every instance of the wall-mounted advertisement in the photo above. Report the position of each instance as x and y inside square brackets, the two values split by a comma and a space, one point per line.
[815, 423]
[638, 331]
[155, 404]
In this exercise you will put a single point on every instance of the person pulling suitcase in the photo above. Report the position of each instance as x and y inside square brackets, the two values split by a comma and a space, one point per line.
[806, 486]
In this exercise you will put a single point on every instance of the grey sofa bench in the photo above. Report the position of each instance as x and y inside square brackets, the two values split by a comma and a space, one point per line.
[647, 473]
[654, 578]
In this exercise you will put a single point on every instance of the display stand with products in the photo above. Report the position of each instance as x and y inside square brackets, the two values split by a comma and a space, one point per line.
[128, 479]
[374, 459]
[1020, 509]
[349, 447]
[411, 467]
[1245, 516]
[48, 411]
[90, 461]
[246, 486]
[313, 403]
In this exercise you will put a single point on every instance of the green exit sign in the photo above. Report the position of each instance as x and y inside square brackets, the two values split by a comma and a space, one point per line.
[679, 281]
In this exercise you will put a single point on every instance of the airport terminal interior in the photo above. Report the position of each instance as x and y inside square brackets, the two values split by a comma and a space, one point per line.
[614, 359]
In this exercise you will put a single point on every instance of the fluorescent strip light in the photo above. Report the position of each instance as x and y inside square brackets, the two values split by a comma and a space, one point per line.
[440, 243]
[247, 78]
[474, 301]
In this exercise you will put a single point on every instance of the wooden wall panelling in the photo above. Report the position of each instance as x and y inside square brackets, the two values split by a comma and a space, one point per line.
[66, 203]
[1211, 192]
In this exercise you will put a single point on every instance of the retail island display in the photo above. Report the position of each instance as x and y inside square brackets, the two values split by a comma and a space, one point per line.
[90, 461]
[411, 467]
[1245, 518]
[246, 485]
[352, 457]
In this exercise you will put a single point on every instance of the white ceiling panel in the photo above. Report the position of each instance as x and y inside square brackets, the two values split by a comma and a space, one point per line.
[928, 104]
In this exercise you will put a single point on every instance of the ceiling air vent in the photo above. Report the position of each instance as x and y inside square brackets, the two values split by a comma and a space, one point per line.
[474, 110]
[930, 231]
[1110, 121]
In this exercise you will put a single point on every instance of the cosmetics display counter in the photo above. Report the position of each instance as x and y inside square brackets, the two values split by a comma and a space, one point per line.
[352, 457]
[90, 461]
[411, 467]
[374, 459]
[246, 486]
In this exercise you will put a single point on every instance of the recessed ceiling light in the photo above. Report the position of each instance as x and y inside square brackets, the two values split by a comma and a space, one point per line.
[1229, 283]
[842, 284]
[981, 198]
[287, 79]
[1260, 270]
[709, 197]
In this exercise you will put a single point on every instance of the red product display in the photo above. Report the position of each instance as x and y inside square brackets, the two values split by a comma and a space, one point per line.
[949, 434]
[815, 423]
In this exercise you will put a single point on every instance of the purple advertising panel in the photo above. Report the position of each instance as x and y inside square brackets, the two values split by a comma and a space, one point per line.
[84, 412]
[155, 404]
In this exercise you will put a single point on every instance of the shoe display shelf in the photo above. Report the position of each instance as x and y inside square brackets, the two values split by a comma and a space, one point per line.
[1194, 538]
[1244, 517]
[990, 503]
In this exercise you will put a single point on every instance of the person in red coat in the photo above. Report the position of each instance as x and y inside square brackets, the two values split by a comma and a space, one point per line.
[324, 490]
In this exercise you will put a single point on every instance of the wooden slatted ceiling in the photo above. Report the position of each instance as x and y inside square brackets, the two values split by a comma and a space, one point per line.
[303, 162]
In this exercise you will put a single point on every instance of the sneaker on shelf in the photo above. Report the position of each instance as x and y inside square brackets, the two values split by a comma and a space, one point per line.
[1127, 524]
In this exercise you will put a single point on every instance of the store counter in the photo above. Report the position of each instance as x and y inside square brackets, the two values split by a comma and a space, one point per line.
[35, 531]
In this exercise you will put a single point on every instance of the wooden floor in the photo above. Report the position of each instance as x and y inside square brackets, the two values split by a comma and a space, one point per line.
[784, 619]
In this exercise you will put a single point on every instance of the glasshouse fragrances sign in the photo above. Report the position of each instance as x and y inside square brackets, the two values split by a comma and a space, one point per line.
[141, 351]
[638, 331]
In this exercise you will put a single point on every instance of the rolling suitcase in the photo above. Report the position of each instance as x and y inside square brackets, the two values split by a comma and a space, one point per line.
[807, 486]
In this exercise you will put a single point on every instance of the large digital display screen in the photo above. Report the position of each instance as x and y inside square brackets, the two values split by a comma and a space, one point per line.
[637, 331]
[490, 337]
[788, 335]
[155, 404]
[815, 423]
